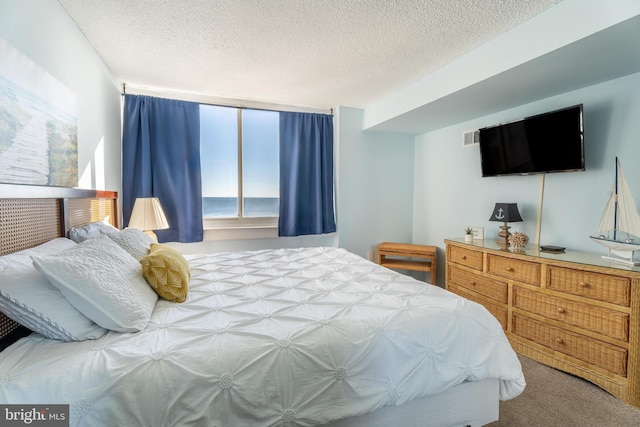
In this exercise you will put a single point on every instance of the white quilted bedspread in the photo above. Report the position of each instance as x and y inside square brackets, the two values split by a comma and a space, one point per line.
[266, 338]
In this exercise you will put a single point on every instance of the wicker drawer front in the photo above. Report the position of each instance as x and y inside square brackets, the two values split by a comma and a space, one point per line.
[467, 257]
[515, 269]
[490, 288]
[499, 312]
[603, 355]
[602, 287]
[596, 319]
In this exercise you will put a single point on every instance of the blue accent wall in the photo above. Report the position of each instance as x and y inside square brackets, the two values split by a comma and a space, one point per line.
[451, 194]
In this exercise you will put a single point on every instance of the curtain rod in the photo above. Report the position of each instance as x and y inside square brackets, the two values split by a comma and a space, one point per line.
[219, 101]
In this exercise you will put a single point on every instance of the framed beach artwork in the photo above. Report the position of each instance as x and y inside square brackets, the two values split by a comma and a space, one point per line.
[38, 124]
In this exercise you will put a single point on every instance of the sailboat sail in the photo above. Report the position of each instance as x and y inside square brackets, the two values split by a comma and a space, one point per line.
[619, 228]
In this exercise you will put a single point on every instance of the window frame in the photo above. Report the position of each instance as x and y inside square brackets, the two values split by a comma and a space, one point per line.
[233, 230]
[240, 222]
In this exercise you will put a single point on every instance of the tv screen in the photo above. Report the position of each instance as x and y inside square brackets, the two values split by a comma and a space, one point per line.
[549, 142]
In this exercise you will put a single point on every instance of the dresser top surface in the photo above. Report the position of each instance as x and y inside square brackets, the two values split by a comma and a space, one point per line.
[587, 258]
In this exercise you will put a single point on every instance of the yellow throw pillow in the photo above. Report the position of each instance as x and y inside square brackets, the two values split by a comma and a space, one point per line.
[167, 272]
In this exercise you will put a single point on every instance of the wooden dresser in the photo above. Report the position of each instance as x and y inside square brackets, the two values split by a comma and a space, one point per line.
[573, 311]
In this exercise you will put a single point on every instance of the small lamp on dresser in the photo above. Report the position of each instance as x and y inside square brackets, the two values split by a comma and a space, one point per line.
[147, 215]
[506, 213]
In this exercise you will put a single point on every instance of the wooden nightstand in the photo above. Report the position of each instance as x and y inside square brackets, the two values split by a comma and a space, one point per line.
[399, 252]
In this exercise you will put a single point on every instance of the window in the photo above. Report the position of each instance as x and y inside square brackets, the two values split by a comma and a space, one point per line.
[240, 166]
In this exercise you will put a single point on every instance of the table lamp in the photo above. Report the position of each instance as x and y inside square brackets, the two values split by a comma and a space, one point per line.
[147, 215]
[505, 212]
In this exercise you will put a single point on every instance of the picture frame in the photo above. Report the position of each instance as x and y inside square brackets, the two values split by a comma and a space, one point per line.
[39, 124]
[478, 233]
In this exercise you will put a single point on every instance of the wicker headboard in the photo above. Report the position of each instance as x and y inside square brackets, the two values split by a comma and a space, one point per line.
[32, 215]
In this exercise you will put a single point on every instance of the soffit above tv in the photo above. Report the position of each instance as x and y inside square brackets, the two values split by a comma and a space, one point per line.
[602, 56]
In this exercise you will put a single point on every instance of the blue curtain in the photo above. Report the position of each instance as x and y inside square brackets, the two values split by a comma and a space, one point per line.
[306, 174]
[161, 158]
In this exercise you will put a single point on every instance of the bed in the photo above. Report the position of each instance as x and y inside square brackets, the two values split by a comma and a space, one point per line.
[292, 337]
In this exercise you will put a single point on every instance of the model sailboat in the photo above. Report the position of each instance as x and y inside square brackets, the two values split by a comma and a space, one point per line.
[619, 228]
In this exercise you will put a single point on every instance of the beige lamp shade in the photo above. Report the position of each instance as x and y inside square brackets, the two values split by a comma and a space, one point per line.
[147, 215]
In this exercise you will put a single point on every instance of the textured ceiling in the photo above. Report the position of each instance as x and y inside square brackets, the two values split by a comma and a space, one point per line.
[317, 53]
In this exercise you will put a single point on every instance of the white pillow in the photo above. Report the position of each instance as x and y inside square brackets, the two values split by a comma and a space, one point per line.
[103, 282]
[28, 298]
[90, 231]
[134, 241]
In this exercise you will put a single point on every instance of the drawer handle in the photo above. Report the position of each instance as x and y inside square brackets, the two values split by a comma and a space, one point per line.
[472, 283]
[510, 269]
[584, 284]
[561, 310]
[559, 341]
[463, 257]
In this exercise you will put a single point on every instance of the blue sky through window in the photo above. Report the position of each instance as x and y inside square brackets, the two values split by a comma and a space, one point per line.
[219, 152]
[260, 138]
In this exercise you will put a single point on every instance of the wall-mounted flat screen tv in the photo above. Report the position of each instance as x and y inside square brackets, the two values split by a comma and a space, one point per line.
[549, 142]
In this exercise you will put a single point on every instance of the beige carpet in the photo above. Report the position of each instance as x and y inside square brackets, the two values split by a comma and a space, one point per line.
[556, 399]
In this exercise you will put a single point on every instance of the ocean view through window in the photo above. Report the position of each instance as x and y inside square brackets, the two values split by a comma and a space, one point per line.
[227, 207]
[240, 163]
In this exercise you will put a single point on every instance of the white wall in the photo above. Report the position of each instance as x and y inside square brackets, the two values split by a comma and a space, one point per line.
[449, 192]
[375, 184]
[42, 31]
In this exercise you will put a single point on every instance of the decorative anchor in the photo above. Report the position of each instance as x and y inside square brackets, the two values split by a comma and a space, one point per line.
[500, 214]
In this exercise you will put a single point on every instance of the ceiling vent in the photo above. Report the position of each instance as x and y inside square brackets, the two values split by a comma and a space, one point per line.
[471, 137]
